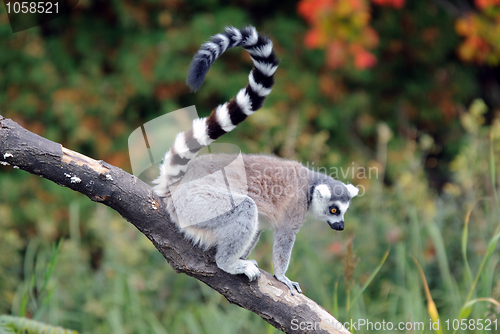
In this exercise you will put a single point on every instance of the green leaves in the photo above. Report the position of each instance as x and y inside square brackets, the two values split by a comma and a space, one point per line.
[371, 277]
[431, 306]
[466, 309]
[10, 325]
[39, 286]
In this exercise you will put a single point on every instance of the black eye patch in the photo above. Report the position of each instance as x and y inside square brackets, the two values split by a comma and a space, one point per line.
[334, 210]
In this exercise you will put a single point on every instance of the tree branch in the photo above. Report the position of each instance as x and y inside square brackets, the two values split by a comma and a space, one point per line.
[137, 203]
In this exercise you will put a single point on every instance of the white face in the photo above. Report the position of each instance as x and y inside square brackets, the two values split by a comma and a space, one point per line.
[331, 211]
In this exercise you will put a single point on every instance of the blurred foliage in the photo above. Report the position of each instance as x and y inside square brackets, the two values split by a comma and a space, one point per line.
[11, 325]
[481, 30]
[407, 128]
[341, 26]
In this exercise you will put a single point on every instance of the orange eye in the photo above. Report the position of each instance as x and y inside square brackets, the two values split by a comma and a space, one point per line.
[333, 210]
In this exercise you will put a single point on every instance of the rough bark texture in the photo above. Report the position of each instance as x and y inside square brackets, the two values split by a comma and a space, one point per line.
[137, 203]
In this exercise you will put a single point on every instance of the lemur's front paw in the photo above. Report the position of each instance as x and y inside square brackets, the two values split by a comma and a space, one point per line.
[254, 262]
[290, 284]
[251, 270]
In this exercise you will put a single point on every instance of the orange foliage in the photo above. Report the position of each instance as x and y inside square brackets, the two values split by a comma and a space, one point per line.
[482, 4]
[362, 58]
[310, 9]
[481, 30]
[342, 28]
[314, 38]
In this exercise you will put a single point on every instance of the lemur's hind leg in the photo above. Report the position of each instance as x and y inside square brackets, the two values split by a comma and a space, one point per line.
[235, 237]
[232, 230]
[251, 247]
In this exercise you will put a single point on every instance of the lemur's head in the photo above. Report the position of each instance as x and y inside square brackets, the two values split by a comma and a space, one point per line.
[330, 199]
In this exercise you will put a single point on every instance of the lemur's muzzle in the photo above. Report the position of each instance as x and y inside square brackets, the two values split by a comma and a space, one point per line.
[338, 226]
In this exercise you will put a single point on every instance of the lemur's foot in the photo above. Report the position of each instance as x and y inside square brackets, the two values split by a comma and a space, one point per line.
[246, 267]
[290, 284]
[254, 262]
[251, 269]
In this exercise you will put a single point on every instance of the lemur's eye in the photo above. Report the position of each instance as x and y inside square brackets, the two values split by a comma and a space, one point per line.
[333, 211]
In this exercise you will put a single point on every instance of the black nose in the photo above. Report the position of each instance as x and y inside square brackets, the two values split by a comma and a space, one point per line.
[339, 226]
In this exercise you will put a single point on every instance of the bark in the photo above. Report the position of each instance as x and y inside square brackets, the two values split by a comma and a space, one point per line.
[136, 202]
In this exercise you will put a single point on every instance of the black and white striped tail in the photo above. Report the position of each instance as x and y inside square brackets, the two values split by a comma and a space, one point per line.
[228, 115]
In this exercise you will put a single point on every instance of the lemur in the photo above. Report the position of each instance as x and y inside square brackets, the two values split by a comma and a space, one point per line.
[211, 214]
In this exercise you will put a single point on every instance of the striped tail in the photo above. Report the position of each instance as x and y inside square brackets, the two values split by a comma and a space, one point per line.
[228, 115]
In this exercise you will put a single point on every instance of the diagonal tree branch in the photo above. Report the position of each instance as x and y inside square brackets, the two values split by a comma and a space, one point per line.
[137, 203]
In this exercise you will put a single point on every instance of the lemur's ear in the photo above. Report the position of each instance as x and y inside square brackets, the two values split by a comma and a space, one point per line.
[322, 192]
[353, 191]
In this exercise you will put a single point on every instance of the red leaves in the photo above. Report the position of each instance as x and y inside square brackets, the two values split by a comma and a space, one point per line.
[480, 31]
[310, 9]
[482, 4]
[313, 38]
[338, 54]
[342, 27]
[364, 59]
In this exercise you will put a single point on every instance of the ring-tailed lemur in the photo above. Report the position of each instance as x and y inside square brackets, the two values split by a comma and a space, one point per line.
[279, 189]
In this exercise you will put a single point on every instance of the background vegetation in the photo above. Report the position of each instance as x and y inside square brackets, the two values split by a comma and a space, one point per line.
[408, 87]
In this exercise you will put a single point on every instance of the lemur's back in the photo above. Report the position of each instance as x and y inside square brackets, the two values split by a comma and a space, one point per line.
[277, 186]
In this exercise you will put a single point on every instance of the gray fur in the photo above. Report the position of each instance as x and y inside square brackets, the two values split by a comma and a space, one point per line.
[273, 187]
[217, 206]
[198, 69]
[251, 247]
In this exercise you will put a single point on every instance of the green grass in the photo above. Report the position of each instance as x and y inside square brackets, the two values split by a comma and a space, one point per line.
[106, 277]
